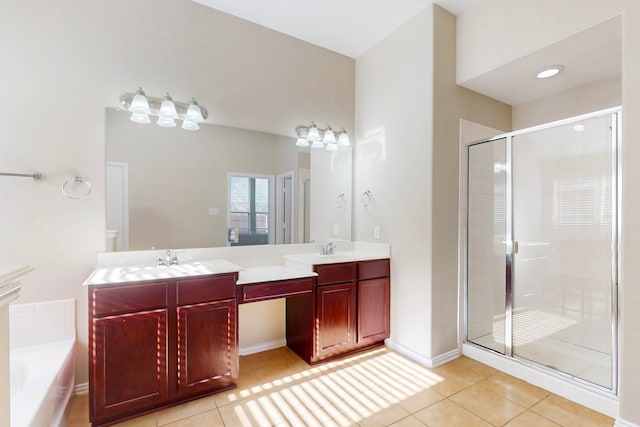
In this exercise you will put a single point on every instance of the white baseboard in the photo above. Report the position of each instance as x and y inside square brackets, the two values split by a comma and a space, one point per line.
[81, 388]
[269, 345]
[417, 357]
[623, 423]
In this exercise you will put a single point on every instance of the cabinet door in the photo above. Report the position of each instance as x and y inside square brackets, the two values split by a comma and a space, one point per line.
[373, 310]
[130, 356]
[207, 346]
[336, 311]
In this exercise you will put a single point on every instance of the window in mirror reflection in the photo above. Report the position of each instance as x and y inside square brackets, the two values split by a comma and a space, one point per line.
[250, 208]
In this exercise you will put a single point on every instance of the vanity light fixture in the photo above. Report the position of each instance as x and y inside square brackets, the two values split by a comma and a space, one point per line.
[168, 111]
[550, 71]
[321, 137]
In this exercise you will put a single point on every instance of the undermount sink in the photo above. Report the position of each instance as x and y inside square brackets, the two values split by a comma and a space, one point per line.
[315, 258]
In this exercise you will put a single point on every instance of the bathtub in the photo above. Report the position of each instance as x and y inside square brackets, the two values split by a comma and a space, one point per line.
[42, 362]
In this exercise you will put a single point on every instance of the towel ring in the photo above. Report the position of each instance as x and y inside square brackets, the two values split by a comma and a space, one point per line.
[76, 180]
[366, 198]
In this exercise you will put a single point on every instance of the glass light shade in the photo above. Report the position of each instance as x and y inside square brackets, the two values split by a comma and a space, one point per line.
[329, 136]
[343, 139]
[190, 125]
[301, 142]
[166, 122]
[194, 114]
[317, 144]
[140, 118]
[313, 135]
[168, 109]
[139, 103]
[332, 147]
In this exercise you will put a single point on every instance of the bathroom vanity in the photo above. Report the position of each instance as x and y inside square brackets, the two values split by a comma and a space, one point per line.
[162, 336]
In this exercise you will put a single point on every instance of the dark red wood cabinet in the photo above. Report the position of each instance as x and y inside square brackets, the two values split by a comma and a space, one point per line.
[373, 301]
[130, 358]
[206, 349]
[335, 310]
[158, 343]
[351, 304]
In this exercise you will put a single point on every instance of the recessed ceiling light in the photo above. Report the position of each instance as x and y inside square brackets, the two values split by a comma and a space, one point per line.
[551, 71]
[579, 127]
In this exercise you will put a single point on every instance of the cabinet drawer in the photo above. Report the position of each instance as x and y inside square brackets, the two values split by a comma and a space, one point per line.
[129, 298]
[336, 273]
[373, 269]
[194, 291]
[271, 290]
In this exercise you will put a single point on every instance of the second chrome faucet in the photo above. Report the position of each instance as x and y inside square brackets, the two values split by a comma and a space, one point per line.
[328, 249]
[170, 258]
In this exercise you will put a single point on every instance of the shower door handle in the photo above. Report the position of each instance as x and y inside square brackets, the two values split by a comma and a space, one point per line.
[515, 247]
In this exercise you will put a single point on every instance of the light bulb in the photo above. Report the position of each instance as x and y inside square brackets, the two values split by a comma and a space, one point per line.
[194, 113]
[166, 122]
[301, 142]
[551, 71]
[313, 135]
[329, 136]
[140, 118]
[190, 125]
[168, 109]
[139, 103]
[343, 139]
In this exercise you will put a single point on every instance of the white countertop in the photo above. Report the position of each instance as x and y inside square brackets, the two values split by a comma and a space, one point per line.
[271, 273]
[135, 273]
[255, 264]
[308, 260]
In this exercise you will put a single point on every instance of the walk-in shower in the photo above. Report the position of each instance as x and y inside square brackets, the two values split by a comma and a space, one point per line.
[542, 245]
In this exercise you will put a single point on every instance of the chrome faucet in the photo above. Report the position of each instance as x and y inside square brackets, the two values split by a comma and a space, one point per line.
[169, 259]
[328, 249]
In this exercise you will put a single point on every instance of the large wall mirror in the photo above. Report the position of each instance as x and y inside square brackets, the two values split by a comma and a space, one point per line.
[219, 186]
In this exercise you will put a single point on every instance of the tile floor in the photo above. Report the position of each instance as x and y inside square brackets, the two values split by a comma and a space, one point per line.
[375, 388]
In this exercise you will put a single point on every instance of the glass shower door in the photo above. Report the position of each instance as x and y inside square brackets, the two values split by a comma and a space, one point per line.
[487, 227]
[564, 261]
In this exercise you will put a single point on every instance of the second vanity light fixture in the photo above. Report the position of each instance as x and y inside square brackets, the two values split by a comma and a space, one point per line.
[321, 138]
[168, 111]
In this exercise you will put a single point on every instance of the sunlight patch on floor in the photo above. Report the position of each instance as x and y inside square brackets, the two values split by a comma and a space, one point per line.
[335, 393]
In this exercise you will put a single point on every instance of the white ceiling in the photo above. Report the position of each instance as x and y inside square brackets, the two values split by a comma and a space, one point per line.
[590, 55]
[349, 27]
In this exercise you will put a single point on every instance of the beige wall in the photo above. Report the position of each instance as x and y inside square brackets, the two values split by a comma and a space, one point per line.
[393, 160]
[492, 33]
[630, 275]
[599, 95]
[451, 103]
[408, 109]
[63, 63]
